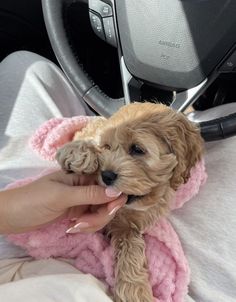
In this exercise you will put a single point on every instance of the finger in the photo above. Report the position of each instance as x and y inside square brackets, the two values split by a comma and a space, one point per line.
[81, 189]
[86, 180]
[95, 221]
[75, 212]
[91, 221]
[117, 203]
[88, 230]
[72, 179]
[93, 194]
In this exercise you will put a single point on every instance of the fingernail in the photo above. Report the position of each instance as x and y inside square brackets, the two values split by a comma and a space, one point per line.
[112, 192]
[77, 228]
[113, 211]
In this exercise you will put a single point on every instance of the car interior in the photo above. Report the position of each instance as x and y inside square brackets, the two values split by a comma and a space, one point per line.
[190, 60]
[181, 53]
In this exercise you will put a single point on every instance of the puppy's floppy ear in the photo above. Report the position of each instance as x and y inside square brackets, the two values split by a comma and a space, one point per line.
[184, 140]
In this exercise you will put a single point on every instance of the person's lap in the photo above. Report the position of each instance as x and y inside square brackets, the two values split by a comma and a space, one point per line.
[28, 280]
[33, 90]
[36, 90]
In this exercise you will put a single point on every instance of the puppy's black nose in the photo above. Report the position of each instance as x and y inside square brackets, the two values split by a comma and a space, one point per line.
[108, 177]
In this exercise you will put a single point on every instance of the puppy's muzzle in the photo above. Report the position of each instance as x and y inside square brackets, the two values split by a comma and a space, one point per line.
[109, 177]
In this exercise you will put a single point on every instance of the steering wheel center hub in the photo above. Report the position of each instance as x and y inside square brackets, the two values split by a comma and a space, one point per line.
[173, 43]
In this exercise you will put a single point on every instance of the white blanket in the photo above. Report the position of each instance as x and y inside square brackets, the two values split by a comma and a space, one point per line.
[47, 281]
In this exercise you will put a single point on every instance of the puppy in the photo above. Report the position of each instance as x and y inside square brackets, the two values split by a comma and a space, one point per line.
[146, 151]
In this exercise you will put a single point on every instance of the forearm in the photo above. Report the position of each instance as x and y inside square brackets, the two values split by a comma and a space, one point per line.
[6, 197]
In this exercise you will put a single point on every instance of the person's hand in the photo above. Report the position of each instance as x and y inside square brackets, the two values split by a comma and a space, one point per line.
[59, 195]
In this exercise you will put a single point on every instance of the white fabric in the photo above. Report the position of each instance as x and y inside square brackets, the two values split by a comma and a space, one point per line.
[47, 281]
[58, 288]
[33, 90]
[206, 226]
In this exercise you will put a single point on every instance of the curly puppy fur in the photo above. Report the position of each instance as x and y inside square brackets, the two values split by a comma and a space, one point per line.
[148, 151]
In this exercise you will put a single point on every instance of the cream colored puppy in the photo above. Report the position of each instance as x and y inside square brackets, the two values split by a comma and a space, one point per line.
[146, 151]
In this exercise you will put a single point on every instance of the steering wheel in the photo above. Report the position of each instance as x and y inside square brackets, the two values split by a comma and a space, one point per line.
[178, 45]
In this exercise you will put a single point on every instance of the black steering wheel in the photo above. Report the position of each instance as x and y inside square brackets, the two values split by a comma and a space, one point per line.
[179, 45]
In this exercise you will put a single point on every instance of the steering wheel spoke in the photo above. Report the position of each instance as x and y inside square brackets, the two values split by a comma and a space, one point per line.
[186, 98]
[131, 86]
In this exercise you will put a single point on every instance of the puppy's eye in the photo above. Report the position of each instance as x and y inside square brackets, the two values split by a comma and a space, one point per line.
[136, 150]
[107, 147]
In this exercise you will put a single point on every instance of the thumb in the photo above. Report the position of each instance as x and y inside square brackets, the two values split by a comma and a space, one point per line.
[91, 195]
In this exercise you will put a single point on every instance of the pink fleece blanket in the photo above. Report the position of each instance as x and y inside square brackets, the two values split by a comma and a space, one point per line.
[168, 268]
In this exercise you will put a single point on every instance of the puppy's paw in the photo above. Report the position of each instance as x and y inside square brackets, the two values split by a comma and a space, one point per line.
[78, 157]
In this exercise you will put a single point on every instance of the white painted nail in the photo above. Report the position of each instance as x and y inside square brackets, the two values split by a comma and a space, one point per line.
[113, 211]
[77, 228]
[112, 192]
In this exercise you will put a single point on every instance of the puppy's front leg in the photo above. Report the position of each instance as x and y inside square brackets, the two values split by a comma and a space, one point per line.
[131, 274]
[79, 156]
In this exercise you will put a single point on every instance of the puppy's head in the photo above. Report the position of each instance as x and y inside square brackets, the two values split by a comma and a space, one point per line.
[147, 147]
